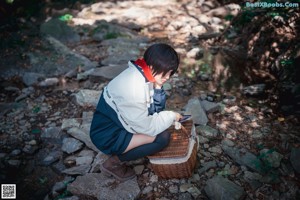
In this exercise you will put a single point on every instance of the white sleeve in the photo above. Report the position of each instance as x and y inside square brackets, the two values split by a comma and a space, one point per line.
[136, 114]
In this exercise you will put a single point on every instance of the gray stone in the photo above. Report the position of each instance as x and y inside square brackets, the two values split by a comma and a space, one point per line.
[294, 158]
[51, 158]
[139, 169]
[86, 152]
[82, 136]
[202, 140]
[51, 132]
[243, 157]
[85, 160]
[272, 158]
[173, 189]
[69, 123]
[71, 198]
[167, 86]
[101, 187]
[87, 97]
[207, 166]
[71, 145]
[185, 187]
[227, 142]
[185, 196]
[195, 53]
[16, 152]
[147, 189]
[30, 149]
[207, 131]
[60, 30]
[210, 107]
[59, 187]
[195, 192]
[14, 163]
[49, 82]
[30, 78]
[218, 188]
[256, 89]
[98, 160]
[195, 109]
[106, 72]
[77, 170]
[216, 149]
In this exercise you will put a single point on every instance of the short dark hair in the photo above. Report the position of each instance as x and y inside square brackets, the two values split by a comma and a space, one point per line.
[162, 57]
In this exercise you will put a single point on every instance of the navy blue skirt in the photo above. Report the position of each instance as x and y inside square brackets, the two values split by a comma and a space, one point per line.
[107, 132]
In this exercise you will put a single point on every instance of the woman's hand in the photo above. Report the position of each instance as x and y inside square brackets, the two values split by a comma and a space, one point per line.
[178, 116]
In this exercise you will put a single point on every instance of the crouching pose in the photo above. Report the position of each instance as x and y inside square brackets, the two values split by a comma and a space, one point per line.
[130, 121]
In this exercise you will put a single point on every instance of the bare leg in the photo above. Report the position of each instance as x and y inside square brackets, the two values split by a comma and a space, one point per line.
[138, 140]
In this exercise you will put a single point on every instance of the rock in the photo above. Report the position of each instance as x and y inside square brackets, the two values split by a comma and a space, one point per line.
[210, 107]
[69, 123]
[194, 191]
[14, 163]
[98, 160]
[173, 189]
[216, 149]
[30, 149]
[207, 166]
[254, 89]
[51, 158]
[243, 157]
[31, 78]
[185, 196]
[195, 109]
[227, 142]
[271, 158]
[77, 170]
[101, 187]
[87, 97]
[139, 169]
[154, 179]
[49, 82]
[202, 140]
[51, 132]
[294, 158]
[105, 73]
[207, 131]
[185, 187]
[167, 86]
[84, 160]
[15, 152]
[221, 188]
[60, 30]
[147, 189]
[195, 53]
[229, 100]
[82, 136]
[71, 145]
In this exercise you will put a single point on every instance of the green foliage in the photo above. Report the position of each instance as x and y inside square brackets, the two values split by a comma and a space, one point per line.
[63, 195]
[9, 1]
[35, 131]
[43, 180]
[36, 109]
[286, 62]
[111, 35]
[228, 17]
[66, 17]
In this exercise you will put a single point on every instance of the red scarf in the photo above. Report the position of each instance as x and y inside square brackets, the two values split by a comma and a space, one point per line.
[146, 69]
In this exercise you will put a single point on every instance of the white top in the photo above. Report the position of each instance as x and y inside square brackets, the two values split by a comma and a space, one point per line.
[129, 95]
